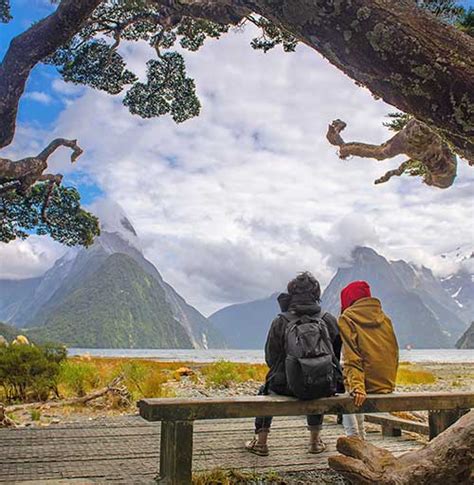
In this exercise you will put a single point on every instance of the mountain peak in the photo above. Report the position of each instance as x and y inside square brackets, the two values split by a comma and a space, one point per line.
[127, 225]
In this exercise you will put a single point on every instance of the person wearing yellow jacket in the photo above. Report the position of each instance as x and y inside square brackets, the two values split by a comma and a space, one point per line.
[370, 349]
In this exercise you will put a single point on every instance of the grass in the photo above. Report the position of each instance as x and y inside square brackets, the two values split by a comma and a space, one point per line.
[225, 373]
[35, 415]
[235, 477]
[409, 374]
[143, 378]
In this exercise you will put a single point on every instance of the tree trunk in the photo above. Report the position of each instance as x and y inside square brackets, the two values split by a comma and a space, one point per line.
[401, 53]
[447, 459]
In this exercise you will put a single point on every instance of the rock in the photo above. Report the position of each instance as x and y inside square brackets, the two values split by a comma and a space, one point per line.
[184, 371]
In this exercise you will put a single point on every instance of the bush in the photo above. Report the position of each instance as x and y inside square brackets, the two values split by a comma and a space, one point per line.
[29, 372]
[79, 377]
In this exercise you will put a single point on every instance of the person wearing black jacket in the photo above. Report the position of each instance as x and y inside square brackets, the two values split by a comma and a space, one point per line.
[303, 298]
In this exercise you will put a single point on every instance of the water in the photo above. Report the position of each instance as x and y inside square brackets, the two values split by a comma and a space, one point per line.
[257, 356]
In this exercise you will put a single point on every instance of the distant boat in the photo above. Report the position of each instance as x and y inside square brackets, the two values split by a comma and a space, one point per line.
[408, 347]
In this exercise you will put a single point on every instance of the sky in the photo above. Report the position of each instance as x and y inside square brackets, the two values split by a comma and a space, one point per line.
[232, 204]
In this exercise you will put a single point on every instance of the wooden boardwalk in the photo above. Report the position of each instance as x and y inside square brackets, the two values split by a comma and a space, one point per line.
[126, 449]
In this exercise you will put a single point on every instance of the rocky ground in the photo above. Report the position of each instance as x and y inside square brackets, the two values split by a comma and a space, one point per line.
[449, 377]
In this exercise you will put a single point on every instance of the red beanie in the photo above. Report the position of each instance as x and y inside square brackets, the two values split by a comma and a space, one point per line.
[354, 291]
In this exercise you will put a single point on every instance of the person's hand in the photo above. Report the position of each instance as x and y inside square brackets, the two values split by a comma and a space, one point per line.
[359, 398]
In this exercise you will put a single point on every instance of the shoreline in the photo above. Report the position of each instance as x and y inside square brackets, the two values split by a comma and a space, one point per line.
[256, 356]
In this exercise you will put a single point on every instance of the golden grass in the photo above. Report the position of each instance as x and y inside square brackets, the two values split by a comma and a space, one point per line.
[143, 378]
[409, 374]
[225, 373]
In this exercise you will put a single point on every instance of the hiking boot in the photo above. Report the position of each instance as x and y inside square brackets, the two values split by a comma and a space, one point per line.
[316, 447]
[253, 446]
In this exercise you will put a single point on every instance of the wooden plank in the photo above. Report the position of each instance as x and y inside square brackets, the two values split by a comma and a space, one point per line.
[441, 420]
[239, 407]
[176, 453]
[392, 423]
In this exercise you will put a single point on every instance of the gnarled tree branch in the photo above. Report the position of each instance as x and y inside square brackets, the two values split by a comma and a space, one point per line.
[24, 173]
[25, 51]
[428, 152]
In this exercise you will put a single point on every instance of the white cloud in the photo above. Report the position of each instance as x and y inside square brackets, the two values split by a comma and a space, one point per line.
[233, 203]
[28, 258]
[39, 97]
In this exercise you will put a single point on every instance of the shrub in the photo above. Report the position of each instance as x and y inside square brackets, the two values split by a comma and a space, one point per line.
[30, 372]
[79, 377]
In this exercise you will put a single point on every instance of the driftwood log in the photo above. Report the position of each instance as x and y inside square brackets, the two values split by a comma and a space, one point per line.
[5, 421]
[447, 459]
[114, 388]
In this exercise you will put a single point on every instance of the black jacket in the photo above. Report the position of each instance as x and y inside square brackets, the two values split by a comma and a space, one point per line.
[275, 345]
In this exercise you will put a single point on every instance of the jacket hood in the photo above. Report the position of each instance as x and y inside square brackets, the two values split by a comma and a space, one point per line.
[366, 312]
[300, 304]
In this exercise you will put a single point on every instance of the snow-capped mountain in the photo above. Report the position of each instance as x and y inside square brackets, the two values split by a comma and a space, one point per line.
[423, 313]
[49, 299]
[460, 284]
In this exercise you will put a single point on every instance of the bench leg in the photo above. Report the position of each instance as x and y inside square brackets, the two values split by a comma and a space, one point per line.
[388, 430]
[442, 420]
[176, 453]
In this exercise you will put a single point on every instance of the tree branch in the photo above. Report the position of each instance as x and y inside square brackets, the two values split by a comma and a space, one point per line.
[29, 48]
[416, 140]
[401, 53]
[26, 172]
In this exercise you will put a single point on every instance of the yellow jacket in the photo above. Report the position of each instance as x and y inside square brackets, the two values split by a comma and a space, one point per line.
[370, 348]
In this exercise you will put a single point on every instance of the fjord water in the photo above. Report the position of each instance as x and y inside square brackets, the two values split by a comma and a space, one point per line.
[257, 356]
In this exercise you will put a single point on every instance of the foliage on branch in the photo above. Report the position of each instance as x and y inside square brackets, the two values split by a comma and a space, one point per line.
[5, 15]
[66, 222]
[466, 22]
[167, 90]
[94, 64]
[92, 58]
[272, 36]
[398, 121]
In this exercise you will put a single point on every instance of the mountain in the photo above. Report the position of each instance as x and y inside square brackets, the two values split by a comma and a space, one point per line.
[467, 339]
[413, 311]
[136, 313]
[423, 313]
[245, 325]
[460, 285]
[15, 294]
[421, 280]
[46, 302]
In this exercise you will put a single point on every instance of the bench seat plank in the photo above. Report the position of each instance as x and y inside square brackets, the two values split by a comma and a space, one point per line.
[241, 407]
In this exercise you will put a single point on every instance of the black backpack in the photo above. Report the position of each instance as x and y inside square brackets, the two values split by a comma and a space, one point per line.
[312, 370]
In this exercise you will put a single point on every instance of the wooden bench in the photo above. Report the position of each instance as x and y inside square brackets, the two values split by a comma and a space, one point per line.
[178, 415]
[393, 426]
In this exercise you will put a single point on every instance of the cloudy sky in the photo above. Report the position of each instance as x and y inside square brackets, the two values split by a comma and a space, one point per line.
[230, 205]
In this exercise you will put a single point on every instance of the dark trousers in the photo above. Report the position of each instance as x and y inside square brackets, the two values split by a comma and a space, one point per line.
[263, 423]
